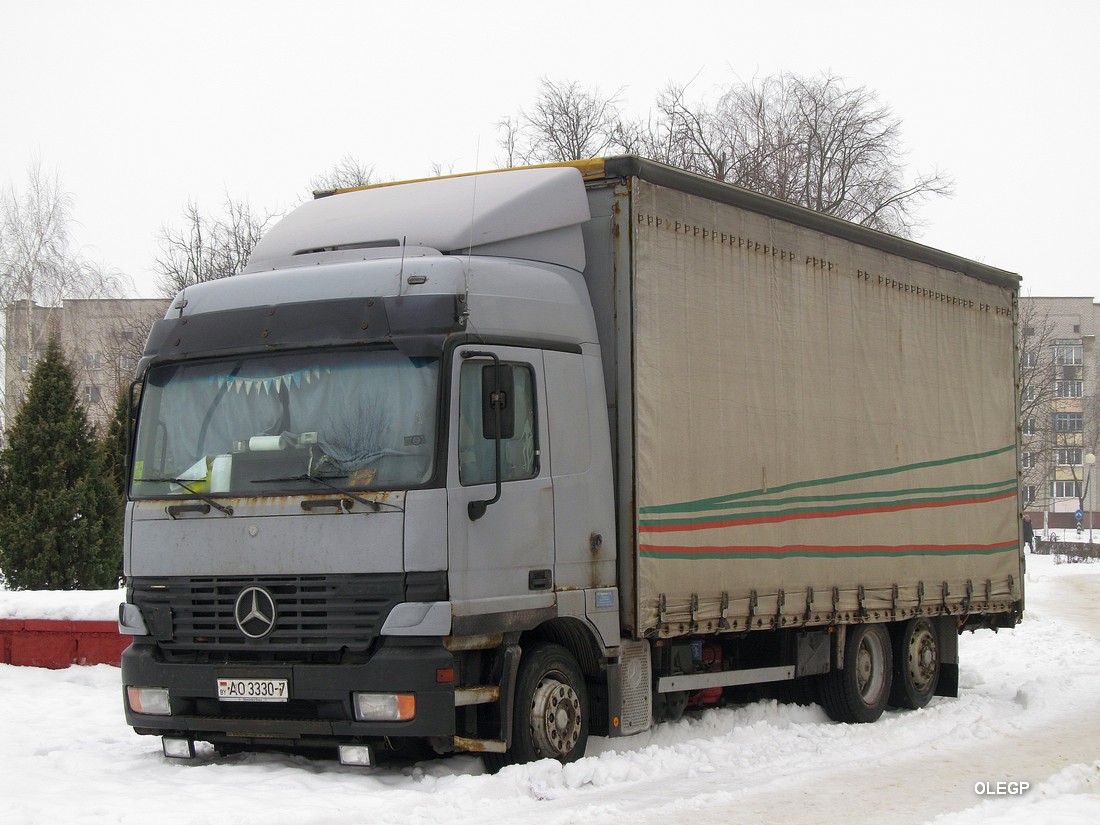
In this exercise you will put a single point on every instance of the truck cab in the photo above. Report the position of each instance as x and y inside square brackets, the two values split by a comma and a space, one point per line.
[365, 467]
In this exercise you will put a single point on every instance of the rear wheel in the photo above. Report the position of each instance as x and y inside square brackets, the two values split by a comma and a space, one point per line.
[550, 714]
[859, 692]
[916, 664]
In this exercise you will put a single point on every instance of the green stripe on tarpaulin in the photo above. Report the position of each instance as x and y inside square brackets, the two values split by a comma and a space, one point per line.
[731, 499]
[892, 502]
[650, 551]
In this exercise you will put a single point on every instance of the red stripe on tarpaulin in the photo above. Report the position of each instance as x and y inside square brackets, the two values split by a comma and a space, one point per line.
[855, 551]
[862, 511]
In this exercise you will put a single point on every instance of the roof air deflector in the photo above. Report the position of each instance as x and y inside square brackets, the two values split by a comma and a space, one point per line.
[356, 245]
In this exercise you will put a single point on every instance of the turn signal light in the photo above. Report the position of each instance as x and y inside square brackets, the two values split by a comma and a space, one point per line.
[384, 707]
[152, 701]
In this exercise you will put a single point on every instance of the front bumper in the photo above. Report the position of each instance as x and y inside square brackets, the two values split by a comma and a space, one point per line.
[319, 712]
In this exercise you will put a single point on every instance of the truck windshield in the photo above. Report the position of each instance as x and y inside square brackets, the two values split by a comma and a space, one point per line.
[297, 422]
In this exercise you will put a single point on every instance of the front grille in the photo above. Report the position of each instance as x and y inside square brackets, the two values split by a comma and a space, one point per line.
[317, 614]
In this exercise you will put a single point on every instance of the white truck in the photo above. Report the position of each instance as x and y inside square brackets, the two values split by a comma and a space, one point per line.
[495, 462]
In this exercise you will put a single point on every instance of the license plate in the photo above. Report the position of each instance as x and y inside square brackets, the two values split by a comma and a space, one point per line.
[253, 690]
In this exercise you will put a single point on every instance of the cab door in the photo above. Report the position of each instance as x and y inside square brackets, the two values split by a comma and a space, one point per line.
[501, 541]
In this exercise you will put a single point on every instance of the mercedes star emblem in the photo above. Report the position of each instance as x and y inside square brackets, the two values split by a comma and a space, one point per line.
[255, 612]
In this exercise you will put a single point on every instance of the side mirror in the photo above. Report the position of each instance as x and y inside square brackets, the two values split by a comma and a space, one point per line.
[497, 389]
[133, 398]
[498, 417]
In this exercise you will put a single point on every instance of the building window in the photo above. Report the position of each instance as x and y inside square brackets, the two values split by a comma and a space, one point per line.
[1068, 422]
[93, 361]
[1029, 426]
[1030, 358]
[26, 363]
[1029, 394]
[1065, 489]
[1067, 352]
[1029, 494]
[92, 395]
[1067, 456]
[1029, 461]
[1068, 389]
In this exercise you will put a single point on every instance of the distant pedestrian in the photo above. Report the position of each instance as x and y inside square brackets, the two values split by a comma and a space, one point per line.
[1029, 534]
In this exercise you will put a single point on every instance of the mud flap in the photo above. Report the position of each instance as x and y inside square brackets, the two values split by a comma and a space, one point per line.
[947, 630]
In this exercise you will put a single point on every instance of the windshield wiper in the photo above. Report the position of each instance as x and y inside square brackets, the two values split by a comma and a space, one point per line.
[182, 482]
[376, 506]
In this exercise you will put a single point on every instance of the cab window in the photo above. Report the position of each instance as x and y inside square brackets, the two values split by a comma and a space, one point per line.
[515, 392]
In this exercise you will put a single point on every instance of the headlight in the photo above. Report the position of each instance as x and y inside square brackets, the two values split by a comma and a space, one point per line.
[384, 707]
[152, 701]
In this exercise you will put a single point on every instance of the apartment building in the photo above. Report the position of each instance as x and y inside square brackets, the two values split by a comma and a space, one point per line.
[101, 337]
[1060, 411]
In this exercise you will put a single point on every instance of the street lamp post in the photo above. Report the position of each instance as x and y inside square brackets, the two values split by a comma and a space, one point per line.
[1090, 459]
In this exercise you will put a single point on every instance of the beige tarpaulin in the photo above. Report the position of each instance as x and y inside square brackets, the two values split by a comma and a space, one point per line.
[817, 423]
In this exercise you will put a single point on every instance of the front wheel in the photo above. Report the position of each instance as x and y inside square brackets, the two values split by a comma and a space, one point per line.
[550, 714]
[859, 692]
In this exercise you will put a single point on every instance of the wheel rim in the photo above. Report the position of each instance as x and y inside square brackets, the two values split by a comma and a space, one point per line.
[555, 716]
[870, 668]
[923, 658]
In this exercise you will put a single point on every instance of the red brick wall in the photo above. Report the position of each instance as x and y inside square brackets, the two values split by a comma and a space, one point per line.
[58, 644]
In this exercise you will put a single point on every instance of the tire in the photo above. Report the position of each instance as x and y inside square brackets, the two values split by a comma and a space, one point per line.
[550, 712]
[916, 664]
[860, 691]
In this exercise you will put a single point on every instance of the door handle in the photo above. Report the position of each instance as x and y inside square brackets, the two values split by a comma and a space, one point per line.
[540, 579]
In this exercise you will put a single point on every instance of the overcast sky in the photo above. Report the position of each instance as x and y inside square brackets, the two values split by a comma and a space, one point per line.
[143, 106]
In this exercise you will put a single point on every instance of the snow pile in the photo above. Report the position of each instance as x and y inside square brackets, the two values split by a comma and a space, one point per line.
[1027, 715]
[67, 605]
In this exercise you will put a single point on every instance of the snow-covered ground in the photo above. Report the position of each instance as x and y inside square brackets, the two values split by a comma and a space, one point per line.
[1029, 712]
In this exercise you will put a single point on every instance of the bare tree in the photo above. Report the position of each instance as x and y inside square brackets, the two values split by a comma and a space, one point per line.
[440, 169]
[37, 262]
[208, 247]
[810, 141]
[38, 265]
[120, 342]
[510, 140]
[847, 158]
[567, 122]
[348, 173]
[689, 136]
[1036, 401]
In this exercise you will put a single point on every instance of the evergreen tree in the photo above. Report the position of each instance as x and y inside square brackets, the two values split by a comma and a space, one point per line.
[114, 445]
[59, 523]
